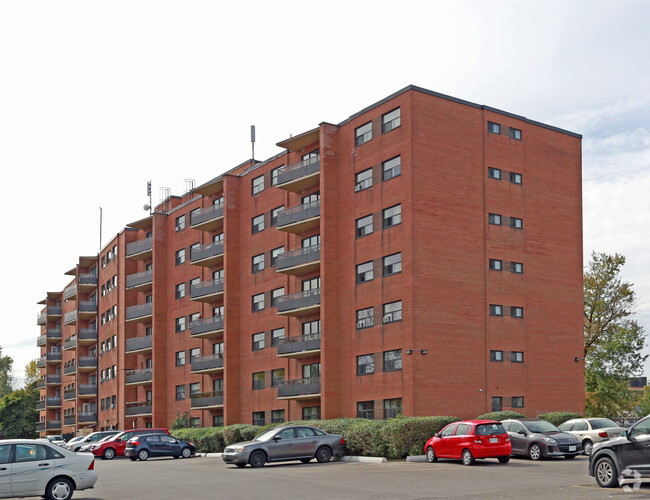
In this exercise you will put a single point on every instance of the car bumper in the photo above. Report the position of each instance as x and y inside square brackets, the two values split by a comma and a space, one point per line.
[502, 450]
[561, 450]
[86, 480]
[235, 458]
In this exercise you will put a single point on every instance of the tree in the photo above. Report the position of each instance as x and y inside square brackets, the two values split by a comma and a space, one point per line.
[6, 380]
[32, 373]
[18, 414]
[613, 339]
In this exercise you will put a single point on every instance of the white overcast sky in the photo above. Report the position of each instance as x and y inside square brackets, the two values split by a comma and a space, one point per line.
[97, 98]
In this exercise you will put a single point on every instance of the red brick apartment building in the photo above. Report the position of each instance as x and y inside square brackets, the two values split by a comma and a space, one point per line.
[422, 257]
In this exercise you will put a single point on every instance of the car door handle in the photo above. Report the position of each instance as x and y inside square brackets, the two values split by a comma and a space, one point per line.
[3, 468]
[315, 441]
[43, 465]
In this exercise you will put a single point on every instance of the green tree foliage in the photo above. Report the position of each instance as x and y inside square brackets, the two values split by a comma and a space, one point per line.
[32, 373]
[181, 421]
[6, 380]
[18, 415]
[613, 339]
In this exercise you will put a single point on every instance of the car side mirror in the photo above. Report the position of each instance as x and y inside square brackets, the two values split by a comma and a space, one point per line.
[276, 438]
[437, 434]
[118, 440]
[522, 432]
[626, 434]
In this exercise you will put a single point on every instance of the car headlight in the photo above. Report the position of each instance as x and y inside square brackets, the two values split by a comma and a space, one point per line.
[237, 449]
[549, 440]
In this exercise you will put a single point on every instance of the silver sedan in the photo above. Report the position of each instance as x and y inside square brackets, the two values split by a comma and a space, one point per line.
[591, 431]
[295, 442]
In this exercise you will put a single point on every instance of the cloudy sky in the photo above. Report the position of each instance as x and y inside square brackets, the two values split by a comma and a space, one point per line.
[97, 98]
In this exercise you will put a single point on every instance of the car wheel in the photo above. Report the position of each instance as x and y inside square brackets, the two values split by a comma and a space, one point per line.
[569, 457]
[534, 452]
[431, 455]
[504, 460]
[59, 489]
[305, 460]
[468, 458]
[257, 459]
[186, 453]
[143, 455]
[606, 473]
[323, 454]
[133, 459]
[177, 456]
[241, 466]
[587, 446]
[109, 454]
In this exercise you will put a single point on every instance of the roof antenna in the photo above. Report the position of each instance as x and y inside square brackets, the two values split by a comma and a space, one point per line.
[253, 142]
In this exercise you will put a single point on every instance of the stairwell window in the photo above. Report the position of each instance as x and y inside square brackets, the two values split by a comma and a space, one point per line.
[494, 128]
[516, 312]
[495, 265]
[515, 133]
[494, 173]
[496, 310]
[515, 178]
[494, 219]
[516, 267]
[516, 223]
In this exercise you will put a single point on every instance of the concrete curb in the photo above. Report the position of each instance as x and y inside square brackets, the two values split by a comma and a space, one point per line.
[375, 460]
[416, 458]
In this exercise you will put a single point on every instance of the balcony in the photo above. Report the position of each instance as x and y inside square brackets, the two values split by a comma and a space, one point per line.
[140, 250]
[52, 380]
[141, 312]
[69, 420]
[87, 363]
[302, 388]
[87, 336]
[300, 218]
[207, 291]
[139, 409]
[70, 394]
[41, 319]
[52, 402]
[87, 309]
[138, 377]
[40, 405]
[87, 417]
[207, 364]
[70, 293]
[207, 219]
[71, 369]
[40, 426]
[53, 334]
[53, 425]
[299, 262]
[208, 327]
[70, 343]
[86, 391]
[138, 344]
[208, 255]
[41, 340]
[87, 282]
[53, 357]
[206, 400]
[300, 176]
[139, 281]
[70, 318]
[299, 304]
[300, 346]
[54, 312]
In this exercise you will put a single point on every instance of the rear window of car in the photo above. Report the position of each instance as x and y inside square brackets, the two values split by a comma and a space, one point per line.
[489, 429]
[602, 423]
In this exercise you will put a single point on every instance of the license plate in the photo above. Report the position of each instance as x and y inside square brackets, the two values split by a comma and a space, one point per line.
[494, 440]
[618, 434]
[573, 448]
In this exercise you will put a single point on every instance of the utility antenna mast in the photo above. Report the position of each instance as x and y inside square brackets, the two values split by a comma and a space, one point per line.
[253, 142]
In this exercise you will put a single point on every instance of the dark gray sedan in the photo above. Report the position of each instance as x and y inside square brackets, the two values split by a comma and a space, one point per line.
[295, 442]
[539, 439]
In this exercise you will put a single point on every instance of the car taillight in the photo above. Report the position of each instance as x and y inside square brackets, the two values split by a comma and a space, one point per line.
[92, 465]
[134, 443]
[602, 434]
[342, 441]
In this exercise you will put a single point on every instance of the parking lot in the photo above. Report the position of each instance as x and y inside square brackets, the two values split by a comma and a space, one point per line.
[210, 478]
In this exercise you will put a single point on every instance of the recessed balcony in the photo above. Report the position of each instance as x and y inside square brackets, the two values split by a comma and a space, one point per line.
[300, 346]
[70, 293]
[302, 388]
[87, 282]
[139, 281]
[54, 312]
[52, 402]
[40, 405]
[209, 255]
[87, 309]
[140, 250]
[53, 425]
[70, 318]
[300, 303]
[138, 409]
[87, 336]
[299, 262]
[70, 343]
[141, 312]
[206, 327]
[69, 420]
[207, 291]
[300, 176]
[139, 377]
[70, 394]
[208, 218]
[139, 344]
[207, 364]
[53, 357]
[87, 417]
[52, 380]
[70, 369]
[300, 218]
[87, 363]
[87, 391]
[206, 400]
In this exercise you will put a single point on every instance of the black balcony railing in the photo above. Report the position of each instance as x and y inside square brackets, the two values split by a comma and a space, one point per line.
[139, 311]
[53, 334]
[299, 213]
[206, 214]
[139, 408]
[138, 279]
[299, 343]
[138, 376]
[87, 334]
[139, 246]
[69, 394]
[54, 357]
[70, 291]
[52, 425]
[53, 379]
[40, 426]
[298, 257]
[70, 317]
[54, 311]
[300, 387]
[52, 401]
[138, 343]
[69, 419]
[298, 170]
[70, 342]
[299, 300]
[88, 306]
[211, 362]
[205, 325]
[206, 251]
[70, 369]
[87, 417]
[40, 405]
[204, 288]
[87, 389]
[204, 399]
[87, 361]
[88, 279]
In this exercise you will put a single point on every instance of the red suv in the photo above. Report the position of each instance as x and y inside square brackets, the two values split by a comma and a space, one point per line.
[114, 446]
[469, 440]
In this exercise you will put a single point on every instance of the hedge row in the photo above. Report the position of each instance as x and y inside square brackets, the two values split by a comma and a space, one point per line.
[554, 417]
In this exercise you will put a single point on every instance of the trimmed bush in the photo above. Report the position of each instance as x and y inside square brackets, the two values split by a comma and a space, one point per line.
[206, 439]
[407, 435]
[500, 415]
[559, 417]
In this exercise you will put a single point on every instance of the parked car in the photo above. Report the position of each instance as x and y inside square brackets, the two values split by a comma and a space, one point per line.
[623, 457]
[469, 440]
[157, 445]
[115, 445]
[31, 467]
[90, 439]
[55, 439]
[75, 439]
[537, 439]
[591, 430]
[85, 448]
[295, 442]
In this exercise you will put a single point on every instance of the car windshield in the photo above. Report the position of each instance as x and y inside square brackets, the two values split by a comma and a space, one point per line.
[489, 429]
[266, 435]
[106, 438]
[602, 423]
[540, 426]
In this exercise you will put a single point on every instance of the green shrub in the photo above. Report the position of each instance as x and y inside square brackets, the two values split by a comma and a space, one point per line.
[500, 415]
[559, 417]
[407, 435]
[206, 439]
[240, 432]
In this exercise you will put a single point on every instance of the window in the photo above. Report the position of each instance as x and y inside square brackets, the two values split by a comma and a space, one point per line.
[217, 348]
[496, 310]
[274, 215]
[195, 388]
[366, 364]
[180, 392]
[392, 407]
[274, 175]
[180, 324]
[311, 157]
[496, 356]
[363, 134]
[311, 413]
[258, 341]
[364, 226]
[516, 223]
[364, 272]
[311, 370]
[217, 385]
[516, 267]
[312, 199]
[363, 180]
[311, 327]
[257, 224]
[516, 357]
[496, 403]
[494, 173]
[516, 312]
[277, 416]
[393, 360]
[515, 133]
[259, 418]
[180, 358]
[366, 409]
[195, 353]
[494, 219]
[392, 168]
[276, 336]
[180, 257]
[258, 302]
[392, 264]
[390, 120]
[258, 263]
[517, 402]
[392, 312]
[277, 376]
[494, 128]
[365, 318]
[180, 223]
[275, 296]
[258, 380]
[274, 255]
[495, 265]
[392, 216]
[311, 241]
[258, 184]
[515, 178]
[217, 421]
[180, 290]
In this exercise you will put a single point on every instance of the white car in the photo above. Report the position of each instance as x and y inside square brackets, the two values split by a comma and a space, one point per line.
[55, 439]
[68, 445]
[31, 467]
